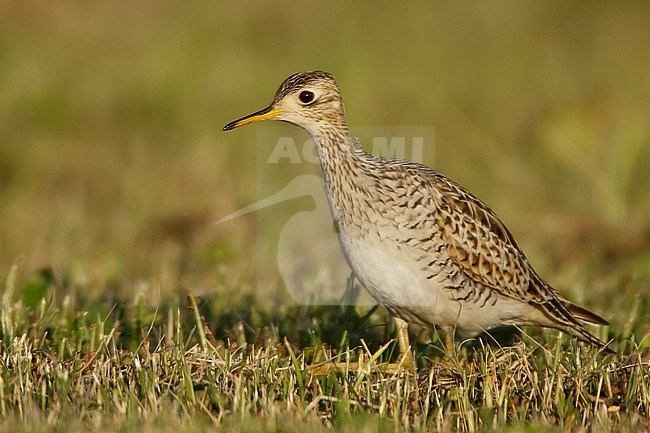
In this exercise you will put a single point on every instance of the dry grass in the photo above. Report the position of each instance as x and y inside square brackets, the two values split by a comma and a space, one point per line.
[70, 369]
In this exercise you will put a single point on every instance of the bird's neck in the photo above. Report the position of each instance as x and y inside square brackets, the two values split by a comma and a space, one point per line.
[341, 157]
[347, 170]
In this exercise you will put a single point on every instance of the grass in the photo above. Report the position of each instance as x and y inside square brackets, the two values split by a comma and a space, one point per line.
[113, 170]
[128, 367]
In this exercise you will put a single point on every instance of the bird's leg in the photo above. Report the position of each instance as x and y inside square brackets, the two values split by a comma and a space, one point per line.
[449, 339]
[406, 362]
[406, 356]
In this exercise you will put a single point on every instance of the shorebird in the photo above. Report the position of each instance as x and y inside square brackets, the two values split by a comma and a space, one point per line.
[423, 246]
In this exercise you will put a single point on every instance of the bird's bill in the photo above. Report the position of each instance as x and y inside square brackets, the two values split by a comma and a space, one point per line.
[268, 113]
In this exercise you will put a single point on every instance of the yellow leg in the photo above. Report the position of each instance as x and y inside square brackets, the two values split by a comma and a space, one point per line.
[406, 362]
[406, 356]
[449, 339]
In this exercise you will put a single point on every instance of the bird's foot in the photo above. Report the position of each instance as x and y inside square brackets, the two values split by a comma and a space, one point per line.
[405, 364]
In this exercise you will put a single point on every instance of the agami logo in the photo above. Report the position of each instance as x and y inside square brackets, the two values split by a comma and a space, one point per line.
[309, 259]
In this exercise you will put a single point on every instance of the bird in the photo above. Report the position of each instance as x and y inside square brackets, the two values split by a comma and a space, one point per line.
[424, 247]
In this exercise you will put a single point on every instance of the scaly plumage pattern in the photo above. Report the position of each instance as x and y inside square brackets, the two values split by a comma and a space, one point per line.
[423, 246]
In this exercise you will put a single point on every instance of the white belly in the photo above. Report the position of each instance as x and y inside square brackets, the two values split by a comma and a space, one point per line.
[396, 280]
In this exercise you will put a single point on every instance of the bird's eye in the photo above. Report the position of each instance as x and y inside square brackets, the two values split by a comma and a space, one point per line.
[306, 96]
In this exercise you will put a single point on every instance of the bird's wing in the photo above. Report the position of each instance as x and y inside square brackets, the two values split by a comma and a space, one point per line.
[484, 249]
[482, 246]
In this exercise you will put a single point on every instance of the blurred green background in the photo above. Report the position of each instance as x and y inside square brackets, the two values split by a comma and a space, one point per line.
[114, 168]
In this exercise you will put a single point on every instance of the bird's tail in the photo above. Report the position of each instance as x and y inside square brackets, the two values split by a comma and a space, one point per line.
[584, 316]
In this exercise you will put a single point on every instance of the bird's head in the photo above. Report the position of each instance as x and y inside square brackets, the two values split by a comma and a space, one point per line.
[306, 99]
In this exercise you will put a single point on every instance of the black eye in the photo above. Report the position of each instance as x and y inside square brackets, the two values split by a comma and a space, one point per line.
[306, 96]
